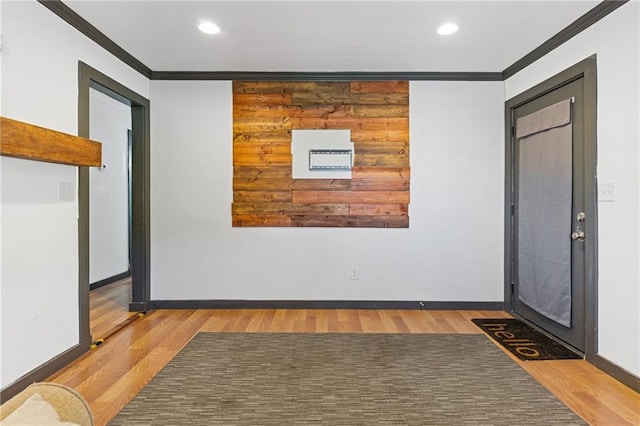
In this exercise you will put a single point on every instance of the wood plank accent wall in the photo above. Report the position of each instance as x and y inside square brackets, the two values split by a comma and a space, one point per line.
[264, 192]
[29, 142]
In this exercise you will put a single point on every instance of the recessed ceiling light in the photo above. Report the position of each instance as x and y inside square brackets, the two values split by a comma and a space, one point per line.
[209, 28]
[447, 28]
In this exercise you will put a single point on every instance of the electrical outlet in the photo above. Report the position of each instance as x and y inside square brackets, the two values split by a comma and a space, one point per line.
[354, 274]
[606, 191]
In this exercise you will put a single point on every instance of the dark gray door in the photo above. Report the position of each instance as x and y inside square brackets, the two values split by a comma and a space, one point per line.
[548, 256]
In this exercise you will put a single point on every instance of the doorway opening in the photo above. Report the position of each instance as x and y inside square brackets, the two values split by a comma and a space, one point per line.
[109, 215]
[550, 207]
[138, 242]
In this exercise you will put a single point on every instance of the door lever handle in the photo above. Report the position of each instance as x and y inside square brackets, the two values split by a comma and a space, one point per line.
[578, 235]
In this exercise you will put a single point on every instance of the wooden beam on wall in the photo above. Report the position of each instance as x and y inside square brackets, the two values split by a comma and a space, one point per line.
[29, 142]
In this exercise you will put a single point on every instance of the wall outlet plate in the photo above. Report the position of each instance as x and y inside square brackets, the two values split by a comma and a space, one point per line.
[354, 274]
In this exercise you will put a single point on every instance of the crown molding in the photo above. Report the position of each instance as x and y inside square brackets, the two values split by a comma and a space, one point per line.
[79, 23]
[570, 31]
[324, 76]
[585, 21]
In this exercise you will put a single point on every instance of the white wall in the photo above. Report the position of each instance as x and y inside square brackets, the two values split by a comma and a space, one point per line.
[109, 188]
[455, 211]
[615, 40]
[39, 284]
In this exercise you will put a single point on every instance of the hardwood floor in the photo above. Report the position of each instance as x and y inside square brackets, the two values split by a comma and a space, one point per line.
[113, 373]
[109, 308]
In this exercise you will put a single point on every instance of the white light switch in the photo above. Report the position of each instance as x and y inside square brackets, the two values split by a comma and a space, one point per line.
[606, 191]
[65, 191]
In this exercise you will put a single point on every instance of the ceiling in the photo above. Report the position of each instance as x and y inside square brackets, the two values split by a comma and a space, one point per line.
[330, 36]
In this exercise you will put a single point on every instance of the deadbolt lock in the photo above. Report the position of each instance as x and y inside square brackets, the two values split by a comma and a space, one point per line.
[580, 217]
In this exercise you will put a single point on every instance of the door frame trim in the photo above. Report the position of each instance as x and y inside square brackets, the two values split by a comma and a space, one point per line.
[89, 77]
[587, 70]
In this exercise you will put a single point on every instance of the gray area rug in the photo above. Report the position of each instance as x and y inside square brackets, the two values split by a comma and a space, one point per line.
[343, 379]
